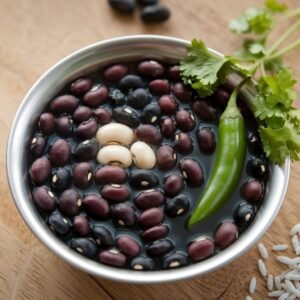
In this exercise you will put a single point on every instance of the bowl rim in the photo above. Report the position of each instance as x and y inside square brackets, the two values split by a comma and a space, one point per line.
[243, 244]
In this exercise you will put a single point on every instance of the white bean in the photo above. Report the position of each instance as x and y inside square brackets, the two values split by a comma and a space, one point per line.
[115, 154]
[143, 155]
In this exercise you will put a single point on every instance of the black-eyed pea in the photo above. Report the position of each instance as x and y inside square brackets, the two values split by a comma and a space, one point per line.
[116, 155]
[143, 155]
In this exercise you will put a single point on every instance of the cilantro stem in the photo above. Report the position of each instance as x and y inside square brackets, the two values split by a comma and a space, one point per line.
[291, 13]
[262, 69]
[283, 51]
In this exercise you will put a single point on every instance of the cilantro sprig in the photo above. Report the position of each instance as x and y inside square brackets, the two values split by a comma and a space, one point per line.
[278, 119]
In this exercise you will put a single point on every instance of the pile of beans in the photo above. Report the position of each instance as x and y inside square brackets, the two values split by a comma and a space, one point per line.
[119, 160]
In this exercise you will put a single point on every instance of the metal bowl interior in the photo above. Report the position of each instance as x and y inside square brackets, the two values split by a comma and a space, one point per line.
[96, 56]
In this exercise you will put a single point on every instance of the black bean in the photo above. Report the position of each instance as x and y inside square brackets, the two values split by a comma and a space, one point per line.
[103, 236]
[159, 86]
[102, 115]
[83, 175]
[254, 144]
[175, 260]
[117, 97]
[155, 233]
[81, 86]
[204, 111]
[168, 105]
[183, 143]
[115, 72]
[60, 153]
[112, 257]
[84, 246]
[149, 134]
[81, 225]
[160, 248]
[64, 126]
[192, 172]
[201, 248]
[95, 96]
[131, 82]
[151, 114]
[47, 123]
[143, 179]
[150, 68]
[181, 92]
[166, 158]
[96, 206]
[257, 168]
[155, 13]
[226, 234]
[40, 170]
[127, 116]
[142, 263]
[252, 191]
[149, 198]
[177, 206]
[129, 246]
[44, 198]
[123, 214]
[64, 104]
[115, 193]
[58, 224]
[185, 120]
[151, 217]
[173, 73]
[168, 127]
[60, 179]
[70, 202]
[139, 98]
[206, 140]
[38, 145]
[87, 129]
[243, 215]
[110, 174]
[82, 113]
[123, 6]
[86, 150]
[221, 97]
[147, 2]
[173, 184]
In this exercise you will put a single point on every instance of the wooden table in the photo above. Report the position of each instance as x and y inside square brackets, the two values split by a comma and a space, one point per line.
[36, 34]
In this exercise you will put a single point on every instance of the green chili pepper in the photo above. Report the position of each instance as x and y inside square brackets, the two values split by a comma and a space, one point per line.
[229, 164]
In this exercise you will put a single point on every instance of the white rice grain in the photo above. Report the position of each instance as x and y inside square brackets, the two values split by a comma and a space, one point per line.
[270, 282]
[276, 293]
[280, 247]
[262, 268]
[277, 281]
[296, 244]
[285, 260]
[252, 285]
[289, 287]
[295, 261]
[295, 229]
[284, 296]
[249, 298]
[263, 251]
[291, 297]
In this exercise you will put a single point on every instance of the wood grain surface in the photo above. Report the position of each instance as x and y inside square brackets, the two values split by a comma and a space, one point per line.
[33, 36]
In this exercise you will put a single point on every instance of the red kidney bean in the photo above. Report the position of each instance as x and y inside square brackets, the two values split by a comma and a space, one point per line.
[173, 184]
[159, 86]
[38, 145]
[87, 129]
[82, 113]
[221, 96]
[151, 69]
[181, 92]
[44, 198]
[155, 233]
[142, 263]
[226, 234]
[149, 198]
[64, 104]
[129, 246]
[252, 190]
[115, 72]
[60, 153]
[95, 96]
[61, 178]
[47, 123]
[86, 150]
[103, 236]
[40, 170]
[96, 206]
[83, 175]
[110, 174]
[141, 179]
[168, 127]
[64, 126]
[149, 134]
[81, 86]
[173, 73]
[151, 217]
[112, 257]
[166, 157]
[58, 224]
[102, 115]
[177, 206]
[204, 111]
[185, 120]
[123, 214]
[175, 260]
[70, 202]
[168, 105]
[192, 172]
[160, 248]
[183, 143]
[81, 225]
[84, 246]
[201, 248]
[206, 140]
[115, 192]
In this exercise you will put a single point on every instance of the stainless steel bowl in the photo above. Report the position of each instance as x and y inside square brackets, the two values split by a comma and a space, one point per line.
[125, 49]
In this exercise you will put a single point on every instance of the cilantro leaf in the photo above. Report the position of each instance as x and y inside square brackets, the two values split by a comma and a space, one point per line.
[275, 6]
[275, 64]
